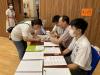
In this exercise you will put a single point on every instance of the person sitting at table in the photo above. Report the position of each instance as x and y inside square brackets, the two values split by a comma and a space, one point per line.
[57, 30]
[80, 60]
[24, 32]
[65, 38]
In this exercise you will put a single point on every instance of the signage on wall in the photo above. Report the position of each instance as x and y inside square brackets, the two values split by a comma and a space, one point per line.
[86, 12]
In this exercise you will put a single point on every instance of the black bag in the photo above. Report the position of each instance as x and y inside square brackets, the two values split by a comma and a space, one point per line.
[10, 29]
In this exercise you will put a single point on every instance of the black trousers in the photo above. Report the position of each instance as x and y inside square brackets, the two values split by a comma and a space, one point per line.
[77, 71]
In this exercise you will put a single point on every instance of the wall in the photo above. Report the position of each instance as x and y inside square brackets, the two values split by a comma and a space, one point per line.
[72, 8]
[3, 7]
[18, 5]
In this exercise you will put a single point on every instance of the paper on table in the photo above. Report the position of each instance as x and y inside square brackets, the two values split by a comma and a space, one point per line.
[54, 60]
[28, 73]
[35, 48]
[30, 66]
[50, 44]
[57, 71]
[52, 50]
[33, 55]
[39, 47]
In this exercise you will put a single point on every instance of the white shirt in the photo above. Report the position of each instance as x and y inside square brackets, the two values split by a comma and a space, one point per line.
[10, 20]
[58, 29]
[21, 30]
[81, 52]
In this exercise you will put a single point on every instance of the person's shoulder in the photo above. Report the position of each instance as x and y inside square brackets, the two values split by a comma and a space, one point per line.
[84, 41]
[7, 10]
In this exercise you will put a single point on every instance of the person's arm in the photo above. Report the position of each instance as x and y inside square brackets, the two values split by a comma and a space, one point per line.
[72, 66]
[27, 36]
[66, 51]
[54, 40]
[58, 40]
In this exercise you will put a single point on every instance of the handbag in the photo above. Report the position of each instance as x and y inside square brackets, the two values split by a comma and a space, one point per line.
[10, 29]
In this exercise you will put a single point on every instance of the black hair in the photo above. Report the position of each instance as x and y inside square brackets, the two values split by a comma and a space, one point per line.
[36, 22]
[66, 19]
[55, 18]
[79, 23]
[10, 4]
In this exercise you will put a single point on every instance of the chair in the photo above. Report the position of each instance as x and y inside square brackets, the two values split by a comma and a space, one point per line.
[95, 60]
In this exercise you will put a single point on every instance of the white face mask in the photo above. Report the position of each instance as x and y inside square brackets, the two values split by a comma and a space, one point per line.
[71, 32]
[11, 7]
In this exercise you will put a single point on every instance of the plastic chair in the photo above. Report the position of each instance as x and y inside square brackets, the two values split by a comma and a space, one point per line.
[95, 60]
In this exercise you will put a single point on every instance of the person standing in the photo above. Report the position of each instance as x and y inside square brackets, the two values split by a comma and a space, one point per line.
[10, 20]
[24, 32]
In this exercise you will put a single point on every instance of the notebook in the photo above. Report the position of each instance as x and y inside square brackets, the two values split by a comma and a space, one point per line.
[50, 44]
[33, 55]
[30, 66]
[54, 60]
[56, 71]
[52, 50]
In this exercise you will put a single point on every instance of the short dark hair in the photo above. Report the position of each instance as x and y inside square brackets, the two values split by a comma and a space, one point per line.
[66, 19]
[10, 4]
[80, 24]
[55, 18]
[36, 21]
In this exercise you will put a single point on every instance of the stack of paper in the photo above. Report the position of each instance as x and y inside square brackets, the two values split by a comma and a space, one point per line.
[33, 55]
[39, 47]
[28, 73]
[52, 50]
[54, 60]
[50, 44]
[57, 71]
[30, 66]
[35, 48]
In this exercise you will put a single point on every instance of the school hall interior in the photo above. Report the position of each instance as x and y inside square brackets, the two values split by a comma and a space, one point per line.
[26, 10]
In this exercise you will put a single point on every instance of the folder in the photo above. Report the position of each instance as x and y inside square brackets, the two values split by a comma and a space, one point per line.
[30, 66]
[35, 48]
[33, 55]
[52, 50]
[54, 60]
[57, 71]
[50, 44]
[23, 73]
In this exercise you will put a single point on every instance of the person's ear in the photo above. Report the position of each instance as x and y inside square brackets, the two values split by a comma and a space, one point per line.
[79, 31]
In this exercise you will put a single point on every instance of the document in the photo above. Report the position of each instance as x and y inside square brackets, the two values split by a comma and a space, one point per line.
[56, 71]
[54, 60]
[50, 44]
[39, 47]
[35, 48]
[33, 55]
[52, 50]
[28, 73]
[30, 66]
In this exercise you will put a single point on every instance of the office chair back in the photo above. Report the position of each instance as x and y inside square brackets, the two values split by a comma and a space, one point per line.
[95, 60]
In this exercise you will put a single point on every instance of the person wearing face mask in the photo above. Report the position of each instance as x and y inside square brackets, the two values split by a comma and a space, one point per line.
[79, 62]
[10, 13]
[10, 19]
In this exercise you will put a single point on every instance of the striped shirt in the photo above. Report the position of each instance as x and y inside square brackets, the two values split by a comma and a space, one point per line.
[65, 38]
